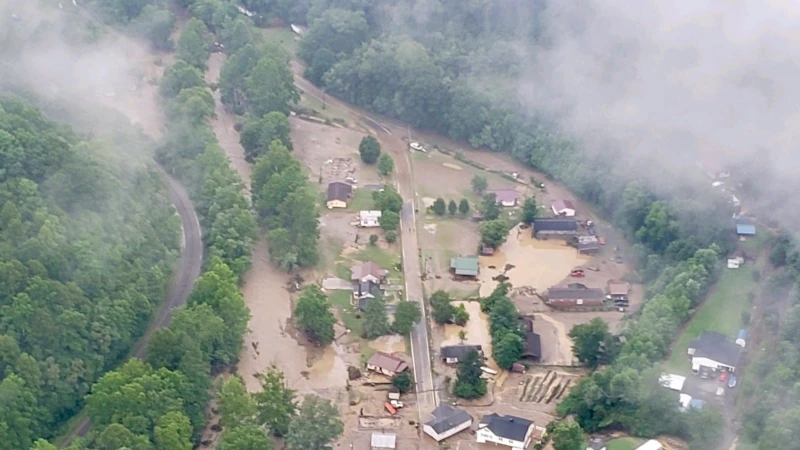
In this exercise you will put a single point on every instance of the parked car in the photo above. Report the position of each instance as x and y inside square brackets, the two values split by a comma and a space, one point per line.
[732, 382]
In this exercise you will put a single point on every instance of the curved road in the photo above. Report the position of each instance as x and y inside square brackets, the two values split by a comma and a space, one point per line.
[391, 142]
[187, 271]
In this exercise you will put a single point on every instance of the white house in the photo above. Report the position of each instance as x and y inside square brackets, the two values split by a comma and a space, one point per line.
[369, 219]
[446, 422]
[596, 444]
[511, 431]
[652, 444]
[714, 351]
[563, 208]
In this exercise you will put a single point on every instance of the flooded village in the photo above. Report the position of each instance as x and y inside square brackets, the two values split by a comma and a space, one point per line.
[547, 270]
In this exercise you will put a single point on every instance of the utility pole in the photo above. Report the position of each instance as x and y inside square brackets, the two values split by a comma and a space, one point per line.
[323, 98]
[409, 133]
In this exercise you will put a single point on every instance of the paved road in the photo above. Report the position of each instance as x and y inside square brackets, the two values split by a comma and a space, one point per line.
[189, 266]
[389, 137]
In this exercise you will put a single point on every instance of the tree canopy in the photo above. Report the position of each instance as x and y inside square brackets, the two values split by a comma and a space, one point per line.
[469, 383]
[313, 316]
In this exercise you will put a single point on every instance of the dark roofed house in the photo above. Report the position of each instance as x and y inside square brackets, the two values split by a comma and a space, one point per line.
[533, 342]
[715, 351]
[452, 354]
[511, 431]
[367, 290]
[446, 422]
[338, 194]
[506, 197]
[575, 294]
[543, 228]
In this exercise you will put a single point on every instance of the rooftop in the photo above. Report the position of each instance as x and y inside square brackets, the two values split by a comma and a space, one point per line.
[560, 205]
[555, 225]
[570, 293]
[618, 288]
[745, 229]
[359, 271]
[717, 347]
[465, 265]
[384, 440]
[505, 195]
[509, 427]
[458, 351]
[388, 362]
[446, 417]
[339, 191]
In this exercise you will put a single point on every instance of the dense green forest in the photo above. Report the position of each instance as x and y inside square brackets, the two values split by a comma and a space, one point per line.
[88, 242]
[160, 403]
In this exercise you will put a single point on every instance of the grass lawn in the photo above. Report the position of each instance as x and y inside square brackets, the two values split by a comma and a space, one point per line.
[362, 200]
[282, 37]
[625, 443]
[341, 300]
[721, 312]
[385, 258]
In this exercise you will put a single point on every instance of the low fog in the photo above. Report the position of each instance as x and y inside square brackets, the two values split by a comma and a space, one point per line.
[672, 83]
[47, 49]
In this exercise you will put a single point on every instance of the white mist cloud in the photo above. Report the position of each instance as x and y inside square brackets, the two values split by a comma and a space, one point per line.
[674, 79]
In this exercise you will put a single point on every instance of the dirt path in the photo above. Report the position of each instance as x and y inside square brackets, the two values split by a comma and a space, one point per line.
[224, 122]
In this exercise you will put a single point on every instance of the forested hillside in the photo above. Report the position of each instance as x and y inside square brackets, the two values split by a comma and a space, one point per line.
[88, 239]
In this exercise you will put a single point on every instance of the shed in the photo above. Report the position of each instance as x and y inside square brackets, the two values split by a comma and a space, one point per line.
[745, 229]
[618, 289]
[563, 208]
[465, 266]
[588, 248]
[741, 338]
[383, 441]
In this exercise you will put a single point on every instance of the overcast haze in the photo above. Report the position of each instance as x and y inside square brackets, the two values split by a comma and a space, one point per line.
[671, 79]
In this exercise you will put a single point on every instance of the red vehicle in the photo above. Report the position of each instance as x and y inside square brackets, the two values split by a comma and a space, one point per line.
[577, 273]
[723, 376]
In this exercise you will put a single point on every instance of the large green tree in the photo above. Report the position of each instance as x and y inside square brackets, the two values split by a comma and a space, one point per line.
[494, 232]
[316, 425]
[469, 384]
[441, 307]
[568, 436]
[369, 149]
[376, 321]
[194, 45]
[275, 402]
[406, 316]
[593, 343]
[313, 316]
[258, 134]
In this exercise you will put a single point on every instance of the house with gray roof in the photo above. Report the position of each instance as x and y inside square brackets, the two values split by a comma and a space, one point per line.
[558, 227]
[575, 294]
[452, 354]
[447, 421]
[715, 351]
[511, 431]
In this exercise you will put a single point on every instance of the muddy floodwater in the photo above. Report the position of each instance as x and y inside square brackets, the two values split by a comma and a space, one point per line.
[476, 329]
[389, 344]
[537, 263]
